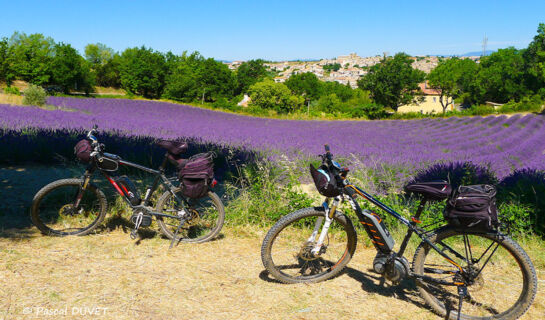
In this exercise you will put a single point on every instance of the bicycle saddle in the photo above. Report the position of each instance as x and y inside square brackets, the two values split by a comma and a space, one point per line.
[173, 147]
[433, 190]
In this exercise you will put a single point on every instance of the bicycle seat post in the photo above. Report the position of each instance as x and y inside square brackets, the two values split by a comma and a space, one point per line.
[164, 164]
[414, 221]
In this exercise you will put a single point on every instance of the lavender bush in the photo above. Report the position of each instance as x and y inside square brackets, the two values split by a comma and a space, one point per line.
[503, 143]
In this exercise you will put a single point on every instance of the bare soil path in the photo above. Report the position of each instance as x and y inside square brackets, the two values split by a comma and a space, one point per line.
[118, 278]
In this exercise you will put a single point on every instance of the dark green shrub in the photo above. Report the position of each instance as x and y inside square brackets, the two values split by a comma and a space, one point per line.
[526, 187]
[34, 96]
[223, 103]
[263, 194]
[12, 90]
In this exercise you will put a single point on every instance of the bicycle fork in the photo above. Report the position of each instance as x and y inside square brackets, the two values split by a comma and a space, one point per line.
[329, 214]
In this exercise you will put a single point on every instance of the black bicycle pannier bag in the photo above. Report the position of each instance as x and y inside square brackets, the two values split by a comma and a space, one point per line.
[473, 207]
[83, 150]
[196, 175]
[325, 181]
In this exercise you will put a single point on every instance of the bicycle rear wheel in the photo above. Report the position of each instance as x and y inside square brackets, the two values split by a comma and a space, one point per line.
[204, 220]
[501, 280]
[286, 250]
[53, 210]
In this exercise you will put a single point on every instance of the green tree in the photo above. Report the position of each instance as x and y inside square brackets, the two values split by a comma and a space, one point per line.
[194, 78]
[104, 63]
[393, 82]
[182, 81]
[344, 92]
[70, 70]
[6, 69]
[534, 57]
[500, 77]
[142, 71]
[306, 85]
[268, 94]
[215, 80]
[248, 73]
[108, 75]
[32, 55]
[98, 54]
[451, 78]
[330, 103]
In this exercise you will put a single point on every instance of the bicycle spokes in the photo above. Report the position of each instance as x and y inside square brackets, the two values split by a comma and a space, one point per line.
[58, 213]
[489, 277]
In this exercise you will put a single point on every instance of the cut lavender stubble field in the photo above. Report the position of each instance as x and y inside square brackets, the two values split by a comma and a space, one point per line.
[505, 143]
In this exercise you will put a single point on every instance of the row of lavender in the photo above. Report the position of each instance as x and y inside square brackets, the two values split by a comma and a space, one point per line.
[506, 143]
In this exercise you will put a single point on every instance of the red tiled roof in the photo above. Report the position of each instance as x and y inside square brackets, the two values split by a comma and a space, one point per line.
[427, 90]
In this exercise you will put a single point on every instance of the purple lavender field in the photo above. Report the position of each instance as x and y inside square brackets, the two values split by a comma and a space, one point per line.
[505, 143]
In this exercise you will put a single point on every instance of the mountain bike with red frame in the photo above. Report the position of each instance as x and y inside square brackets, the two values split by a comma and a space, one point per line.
[77, 206]
[464, 269]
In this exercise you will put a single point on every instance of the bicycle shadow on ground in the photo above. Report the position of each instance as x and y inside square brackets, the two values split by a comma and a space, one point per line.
[17, 234]
[405, 291]
[117, 221]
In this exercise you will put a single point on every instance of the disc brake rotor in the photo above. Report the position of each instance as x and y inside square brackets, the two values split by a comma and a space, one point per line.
[306, 251]
[67, 210]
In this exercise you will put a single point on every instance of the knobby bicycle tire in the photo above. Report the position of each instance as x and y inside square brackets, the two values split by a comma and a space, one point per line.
[59, 201]
[508, 279]
[296, 245]
[193, 231]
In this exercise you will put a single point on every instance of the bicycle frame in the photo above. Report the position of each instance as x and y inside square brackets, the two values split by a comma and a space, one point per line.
[159, 178]
[350, 191]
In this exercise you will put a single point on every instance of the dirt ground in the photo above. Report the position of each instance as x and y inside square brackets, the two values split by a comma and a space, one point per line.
[109, 276]
[115, 277]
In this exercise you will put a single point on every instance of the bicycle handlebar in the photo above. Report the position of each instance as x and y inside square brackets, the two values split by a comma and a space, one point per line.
[98, 147]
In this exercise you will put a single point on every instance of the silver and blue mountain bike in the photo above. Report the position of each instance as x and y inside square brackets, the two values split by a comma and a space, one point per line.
[467, 268]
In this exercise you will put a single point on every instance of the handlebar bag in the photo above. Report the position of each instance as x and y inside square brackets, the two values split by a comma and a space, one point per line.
[324, 181]
[196, 175]
[473, 206]
[83, 150]
[107, 164]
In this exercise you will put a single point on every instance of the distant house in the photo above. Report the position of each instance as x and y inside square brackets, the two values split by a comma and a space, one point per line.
[430, 104]
[245, 101]
[494, 104]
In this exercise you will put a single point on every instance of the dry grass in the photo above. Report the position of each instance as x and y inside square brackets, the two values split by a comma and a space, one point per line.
[11, 99]
[109, 90]
[19, 84]
[222, 279]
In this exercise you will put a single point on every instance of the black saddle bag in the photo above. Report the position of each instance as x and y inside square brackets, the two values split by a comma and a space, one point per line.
[473, 207]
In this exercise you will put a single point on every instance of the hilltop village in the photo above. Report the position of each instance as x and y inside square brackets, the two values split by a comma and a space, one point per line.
[343, 69]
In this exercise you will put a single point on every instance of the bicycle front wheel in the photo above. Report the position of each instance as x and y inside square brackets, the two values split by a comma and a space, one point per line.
[501, 280]
[286, 250]
[54, 213]
[204, 217]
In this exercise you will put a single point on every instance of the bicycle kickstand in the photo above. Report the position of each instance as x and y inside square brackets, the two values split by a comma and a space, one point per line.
[462, 294]
[176, 233]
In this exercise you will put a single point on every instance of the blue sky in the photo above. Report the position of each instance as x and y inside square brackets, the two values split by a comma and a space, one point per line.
[278, 30]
